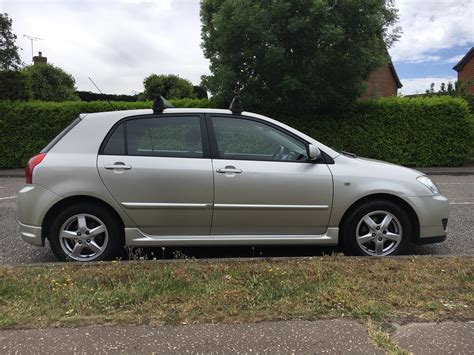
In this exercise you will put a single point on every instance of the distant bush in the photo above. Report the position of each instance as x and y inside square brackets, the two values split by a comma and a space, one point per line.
[26, 127]
[14, 85]
[51, 83]
[93, 96]
[169, 86]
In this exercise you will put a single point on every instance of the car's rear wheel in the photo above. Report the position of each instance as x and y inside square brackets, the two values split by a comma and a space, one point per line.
[377, 228]
[86, 232]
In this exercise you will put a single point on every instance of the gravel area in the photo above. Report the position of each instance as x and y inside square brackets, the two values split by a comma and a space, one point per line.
[459, 189]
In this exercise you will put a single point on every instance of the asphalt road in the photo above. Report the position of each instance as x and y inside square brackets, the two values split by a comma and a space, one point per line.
[459, 189]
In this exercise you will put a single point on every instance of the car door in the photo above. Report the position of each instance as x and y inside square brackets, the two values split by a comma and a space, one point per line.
[158, 169]
[264, 183]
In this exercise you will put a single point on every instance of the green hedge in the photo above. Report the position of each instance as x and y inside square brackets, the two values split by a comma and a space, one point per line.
[434, 131]
[26, 127]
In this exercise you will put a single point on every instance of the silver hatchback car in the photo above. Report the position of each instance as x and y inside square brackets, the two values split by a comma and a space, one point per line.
[177, 177]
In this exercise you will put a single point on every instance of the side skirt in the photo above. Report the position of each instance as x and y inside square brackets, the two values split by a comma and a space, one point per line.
[135, 237]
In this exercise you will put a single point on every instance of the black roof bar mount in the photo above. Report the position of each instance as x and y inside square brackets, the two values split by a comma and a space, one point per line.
[236, 105]
[160, 103]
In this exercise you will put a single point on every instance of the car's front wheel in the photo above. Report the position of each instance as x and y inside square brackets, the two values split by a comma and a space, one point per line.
[85, 232]
[377, 228]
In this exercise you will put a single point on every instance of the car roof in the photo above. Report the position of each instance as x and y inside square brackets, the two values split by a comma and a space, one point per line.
[125, 113]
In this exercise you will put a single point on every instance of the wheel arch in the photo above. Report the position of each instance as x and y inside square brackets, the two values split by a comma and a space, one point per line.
[71, 200]
[384, 197]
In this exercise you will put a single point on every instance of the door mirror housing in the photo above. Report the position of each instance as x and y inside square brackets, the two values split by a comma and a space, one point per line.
[313, 152]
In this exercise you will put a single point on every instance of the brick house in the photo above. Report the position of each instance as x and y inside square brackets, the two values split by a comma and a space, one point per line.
[465, 69]
[383, 81]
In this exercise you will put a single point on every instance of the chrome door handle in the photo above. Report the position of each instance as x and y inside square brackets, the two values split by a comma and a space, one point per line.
[228, 169]
[121, 166]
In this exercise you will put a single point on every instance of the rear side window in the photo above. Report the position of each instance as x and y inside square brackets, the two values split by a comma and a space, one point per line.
[116, 143]
[60, 135]
[164, 136]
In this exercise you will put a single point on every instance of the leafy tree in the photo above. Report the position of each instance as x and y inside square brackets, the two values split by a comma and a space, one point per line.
[9, 57]
[169, 86]
[294, 54]
[14, 85]
[50, 83]
[459, 89]
[200, 92]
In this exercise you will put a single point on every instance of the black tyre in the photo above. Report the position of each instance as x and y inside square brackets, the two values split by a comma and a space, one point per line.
[377, 228]
[86, 232]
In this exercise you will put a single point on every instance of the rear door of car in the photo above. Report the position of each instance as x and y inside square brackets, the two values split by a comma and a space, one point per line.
[264, 183]
[158, 169]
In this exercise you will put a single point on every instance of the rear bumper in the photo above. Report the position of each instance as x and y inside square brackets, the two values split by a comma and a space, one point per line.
[31, 234]
[32, 203]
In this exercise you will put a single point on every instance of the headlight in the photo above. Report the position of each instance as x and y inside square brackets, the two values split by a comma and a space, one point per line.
[425, 180]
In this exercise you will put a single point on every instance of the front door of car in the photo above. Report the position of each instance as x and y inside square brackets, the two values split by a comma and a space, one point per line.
[264, 182]
[158, 170]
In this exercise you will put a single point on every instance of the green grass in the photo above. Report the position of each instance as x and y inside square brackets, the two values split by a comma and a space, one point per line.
[379, 289]
[382, 340]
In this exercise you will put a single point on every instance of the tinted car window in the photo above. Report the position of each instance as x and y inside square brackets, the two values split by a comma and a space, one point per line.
[116, 143]
[239, 138]
[166, 136]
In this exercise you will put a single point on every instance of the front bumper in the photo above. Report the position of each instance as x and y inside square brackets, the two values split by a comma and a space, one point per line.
[430, 240]
[431, 211]
[31, 234]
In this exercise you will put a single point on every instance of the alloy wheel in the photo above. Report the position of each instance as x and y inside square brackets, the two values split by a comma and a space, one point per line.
[379, 233]
[83, 237]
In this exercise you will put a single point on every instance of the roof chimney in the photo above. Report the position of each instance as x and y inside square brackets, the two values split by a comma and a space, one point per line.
[39, 59]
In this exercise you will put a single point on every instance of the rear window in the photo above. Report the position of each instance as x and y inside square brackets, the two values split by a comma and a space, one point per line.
[60, 135]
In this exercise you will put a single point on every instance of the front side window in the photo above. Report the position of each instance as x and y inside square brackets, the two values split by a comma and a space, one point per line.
[244, 139]
[164, 136]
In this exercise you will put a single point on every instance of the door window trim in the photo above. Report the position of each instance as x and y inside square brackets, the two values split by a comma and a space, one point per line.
[202, 125]
[215, 151]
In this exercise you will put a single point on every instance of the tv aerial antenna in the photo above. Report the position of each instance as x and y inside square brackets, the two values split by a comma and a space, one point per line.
[32, 39]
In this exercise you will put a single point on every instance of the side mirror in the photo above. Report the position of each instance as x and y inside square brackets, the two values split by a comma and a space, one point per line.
[314, 152]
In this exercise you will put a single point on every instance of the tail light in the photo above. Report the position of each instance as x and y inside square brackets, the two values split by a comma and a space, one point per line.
[35, 160]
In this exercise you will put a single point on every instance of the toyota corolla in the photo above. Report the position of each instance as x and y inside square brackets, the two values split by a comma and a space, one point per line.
[174, 177]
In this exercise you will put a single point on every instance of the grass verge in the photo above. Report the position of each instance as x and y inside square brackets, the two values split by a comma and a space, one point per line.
[382, 340]
[379, 289]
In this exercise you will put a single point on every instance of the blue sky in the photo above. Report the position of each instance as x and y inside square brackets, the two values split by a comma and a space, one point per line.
[435, 36]
[440, 64]
[119, 42]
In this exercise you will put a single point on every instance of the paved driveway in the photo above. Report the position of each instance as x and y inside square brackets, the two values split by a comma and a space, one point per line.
[459, 189]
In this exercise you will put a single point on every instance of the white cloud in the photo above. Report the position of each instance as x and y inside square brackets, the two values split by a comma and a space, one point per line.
[429, 26]
[420, 85]
[117, 43]
[421, 58]
[454, 60]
